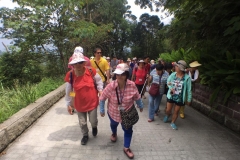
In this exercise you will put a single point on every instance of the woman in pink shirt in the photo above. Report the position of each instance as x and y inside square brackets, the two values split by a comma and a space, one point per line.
[127, 94]
[139, 76]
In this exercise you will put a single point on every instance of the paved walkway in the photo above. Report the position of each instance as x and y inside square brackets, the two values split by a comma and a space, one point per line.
[56, 135]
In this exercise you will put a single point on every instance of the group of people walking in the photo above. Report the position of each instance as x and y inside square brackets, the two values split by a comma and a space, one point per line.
[89, 85]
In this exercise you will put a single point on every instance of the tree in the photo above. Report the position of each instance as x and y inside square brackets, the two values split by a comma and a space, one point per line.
[145, 37]
[64, 24]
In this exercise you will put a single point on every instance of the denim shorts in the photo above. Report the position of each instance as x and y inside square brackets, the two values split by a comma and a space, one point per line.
[177, 103]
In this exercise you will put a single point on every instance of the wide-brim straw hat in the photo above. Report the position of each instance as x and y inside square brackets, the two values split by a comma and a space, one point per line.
[195, 64]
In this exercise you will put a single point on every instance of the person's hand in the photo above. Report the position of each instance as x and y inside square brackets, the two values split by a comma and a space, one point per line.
[102, 114]
[188, 103]
[140, 109]
[172, 91]
[108, 81]
[100, 93]
[70, 110]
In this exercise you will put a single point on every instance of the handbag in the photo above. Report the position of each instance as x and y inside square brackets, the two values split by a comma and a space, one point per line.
[154, 89]
[129, 117]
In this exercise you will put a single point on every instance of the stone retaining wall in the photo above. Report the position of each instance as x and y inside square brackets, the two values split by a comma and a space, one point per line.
[19, 122]
[227, 115]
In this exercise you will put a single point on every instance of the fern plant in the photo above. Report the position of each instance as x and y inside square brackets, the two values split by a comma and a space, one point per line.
[181, 54]
[222, 74]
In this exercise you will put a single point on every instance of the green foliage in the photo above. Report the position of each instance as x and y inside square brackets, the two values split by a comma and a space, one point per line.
[188, 55]
[222, 73]
[64, 24]
[21, 68]
[211, 28]
[14, 99]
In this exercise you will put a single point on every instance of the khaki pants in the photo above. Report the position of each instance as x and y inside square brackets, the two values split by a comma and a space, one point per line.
[82, 117]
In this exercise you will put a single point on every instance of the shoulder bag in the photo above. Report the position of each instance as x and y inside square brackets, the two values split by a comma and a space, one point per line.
[101, 71]
[154, 89]
[129, 117]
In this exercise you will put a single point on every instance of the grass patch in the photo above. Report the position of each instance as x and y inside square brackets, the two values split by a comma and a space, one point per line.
[14, 99]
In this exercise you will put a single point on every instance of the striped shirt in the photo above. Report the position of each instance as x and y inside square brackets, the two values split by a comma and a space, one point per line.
[129, 96]
[156, 79]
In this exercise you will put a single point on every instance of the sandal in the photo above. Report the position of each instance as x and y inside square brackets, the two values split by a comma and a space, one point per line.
[113, 137]
[128, 152]
[150, 120]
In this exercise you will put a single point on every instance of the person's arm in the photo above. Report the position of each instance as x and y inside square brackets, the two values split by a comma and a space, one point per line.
[189, 91]
[149, 80]
[108, 76]
[169, 81]
[101, 106]
[133, 74]
[106, 69]
[196, 74]
[99, 83]
[68, 98]
[106, 94]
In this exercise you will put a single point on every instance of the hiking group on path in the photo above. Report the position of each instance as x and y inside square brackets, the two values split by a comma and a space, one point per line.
[90, 82]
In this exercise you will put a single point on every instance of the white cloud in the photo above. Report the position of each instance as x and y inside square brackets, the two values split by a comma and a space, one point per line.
[8, 4]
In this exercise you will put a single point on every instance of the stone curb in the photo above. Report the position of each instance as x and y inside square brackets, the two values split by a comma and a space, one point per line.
[20, 121]
[219, 117]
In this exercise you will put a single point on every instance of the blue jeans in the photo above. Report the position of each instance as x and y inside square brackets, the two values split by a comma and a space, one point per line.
[127, 133]
[153, 105]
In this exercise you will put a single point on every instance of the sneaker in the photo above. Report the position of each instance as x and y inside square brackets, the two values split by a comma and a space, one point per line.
[182, 115]
[113, 137]
[165, 119]
[181, 112]
[84, 140]
[173, 125]
[128, 152]
[94, 131]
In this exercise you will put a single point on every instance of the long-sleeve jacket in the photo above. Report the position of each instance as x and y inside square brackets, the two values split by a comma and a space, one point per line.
[186, 88]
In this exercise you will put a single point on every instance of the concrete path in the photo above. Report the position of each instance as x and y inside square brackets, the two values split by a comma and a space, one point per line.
[56, 135]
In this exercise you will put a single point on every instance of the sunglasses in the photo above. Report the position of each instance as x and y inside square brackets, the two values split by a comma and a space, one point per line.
[99, 52]
[80, 62]
[180, 64]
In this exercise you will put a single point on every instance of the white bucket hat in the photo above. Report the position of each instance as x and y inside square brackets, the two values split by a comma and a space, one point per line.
[78, 50]
[108, 58]
[121, 68]
[182, 65]
[77, 56]
[129, 60]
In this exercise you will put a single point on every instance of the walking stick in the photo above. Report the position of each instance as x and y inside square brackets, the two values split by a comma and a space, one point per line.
[144, 86]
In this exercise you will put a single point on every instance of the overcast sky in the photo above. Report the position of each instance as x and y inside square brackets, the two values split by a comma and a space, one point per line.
[136, 10]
